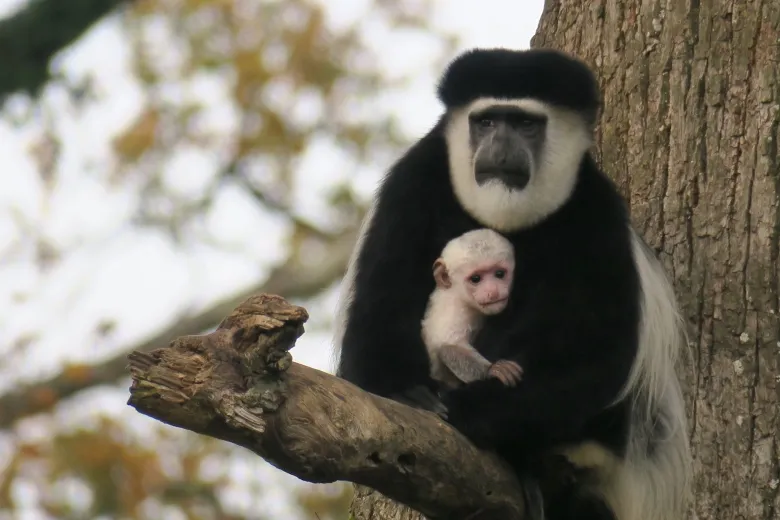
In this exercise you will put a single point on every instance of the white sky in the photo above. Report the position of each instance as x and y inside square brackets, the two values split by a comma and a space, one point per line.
[140, 279]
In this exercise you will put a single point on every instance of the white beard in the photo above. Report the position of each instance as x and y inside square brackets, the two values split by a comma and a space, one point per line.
[493, 203]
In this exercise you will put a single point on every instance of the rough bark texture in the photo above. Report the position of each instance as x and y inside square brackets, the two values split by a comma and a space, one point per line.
[239, 384]
[689, 132]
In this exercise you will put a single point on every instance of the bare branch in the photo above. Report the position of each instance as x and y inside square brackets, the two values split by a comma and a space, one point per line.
[30, 38]
[292, 280]
[239, 384]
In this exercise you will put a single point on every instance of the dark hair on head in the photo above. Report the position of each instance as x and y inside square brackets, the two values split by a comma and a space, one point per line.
[548, 75]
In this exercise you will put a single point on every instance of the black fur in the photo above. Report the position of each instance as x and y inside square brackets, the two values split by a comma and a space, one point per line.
[571, 322]
[561, 485]
[544, 74]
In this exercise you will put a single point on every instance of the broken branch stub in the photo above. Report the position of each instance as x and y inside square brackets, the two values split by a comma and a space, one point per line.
[239, 384]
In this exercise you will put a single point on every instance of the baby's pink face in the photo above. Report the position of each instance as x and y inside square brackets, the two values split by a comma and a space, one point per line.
[488, 285]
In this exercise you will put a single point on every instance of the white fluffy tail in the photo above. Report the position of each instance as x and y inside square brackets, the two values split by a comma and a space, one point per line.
[653, 482]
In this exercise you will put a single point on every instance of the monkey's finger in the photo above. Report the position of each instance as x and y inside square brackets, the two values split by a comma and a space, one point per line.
[511, 364]
[422, 397]
[499, 372]
[412, 397]
[501, 377]
[509, 378]
[510, 370]
[515, 369]
[512, 379]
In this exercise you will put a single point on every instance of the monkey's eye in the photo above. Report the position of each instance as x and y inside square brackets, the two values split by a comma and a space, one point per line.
[530, 126]
[475, 278]
[485, 122]
[500, 273]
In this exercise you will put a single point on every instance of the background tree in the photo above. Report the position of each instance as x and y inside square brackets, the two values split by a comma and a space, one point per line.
[692, 95]
[162, 159]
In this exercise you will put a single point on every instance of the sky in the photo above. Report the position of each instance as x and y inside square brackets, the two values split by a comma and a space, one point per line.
[112, 269]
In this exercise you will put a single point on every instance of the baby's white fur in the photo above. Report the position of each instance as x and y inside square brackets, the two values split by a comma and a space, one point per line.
[449, 319]
[476, 246]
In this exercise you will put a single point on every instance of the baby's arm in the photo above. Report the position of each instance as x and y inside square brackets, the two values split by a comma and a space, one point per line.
[469, 365]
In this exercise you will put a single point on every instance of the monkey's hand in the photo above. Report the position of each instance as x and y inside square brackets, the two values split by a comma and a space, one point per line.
[422, 397]
[506, 371]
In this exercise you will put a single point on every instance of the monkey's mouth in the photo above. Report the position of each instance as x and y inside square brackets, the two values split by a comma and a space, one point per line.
[513, 178]
[495, 305]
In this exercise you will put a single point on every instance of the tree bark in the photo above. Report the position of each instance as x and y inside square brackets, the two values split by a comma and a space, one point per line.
[239, 384]
[689, 132]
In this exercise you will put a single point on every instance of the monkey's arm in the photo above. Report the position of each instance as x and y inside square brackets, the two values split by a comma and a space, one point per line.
[539, 413]
[382, 350]
[576, 357]
[464, 362]
[468, 365]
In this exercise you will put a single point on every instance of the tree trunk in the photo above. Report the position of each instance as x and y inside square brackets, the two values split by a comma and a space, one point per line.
[689, 133]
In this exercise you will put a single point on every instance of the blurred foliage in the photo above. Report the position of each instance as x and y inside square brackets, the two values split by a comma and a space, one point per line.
[27, 49]
[104, 471]
[286, 78]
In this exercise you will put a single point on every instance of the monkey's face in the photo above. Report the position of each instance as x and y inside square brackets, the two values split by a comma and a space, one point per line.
[507, 142]
[487, 286]
[513, 162]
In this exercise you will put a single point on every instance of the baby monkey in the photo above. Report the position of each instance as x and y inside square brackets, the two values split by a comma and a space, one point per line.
[473, 279]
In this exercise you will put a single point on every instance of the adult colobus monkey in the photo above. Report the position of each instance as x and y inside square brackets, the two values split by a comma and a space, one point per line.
[592, 318]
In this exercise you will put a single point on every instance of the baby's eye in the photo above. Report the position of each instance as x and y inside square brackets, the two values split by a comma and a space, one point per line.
[500, 273]
[475, 278]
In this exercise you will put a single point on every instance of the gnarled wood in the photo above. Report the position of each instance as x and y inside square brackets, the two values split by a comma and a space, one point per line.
[239, 384]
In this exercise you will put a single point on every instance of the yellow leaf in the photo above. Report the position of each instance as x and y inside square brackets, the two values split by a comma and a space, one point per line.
[139, 137]
[78, 372]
